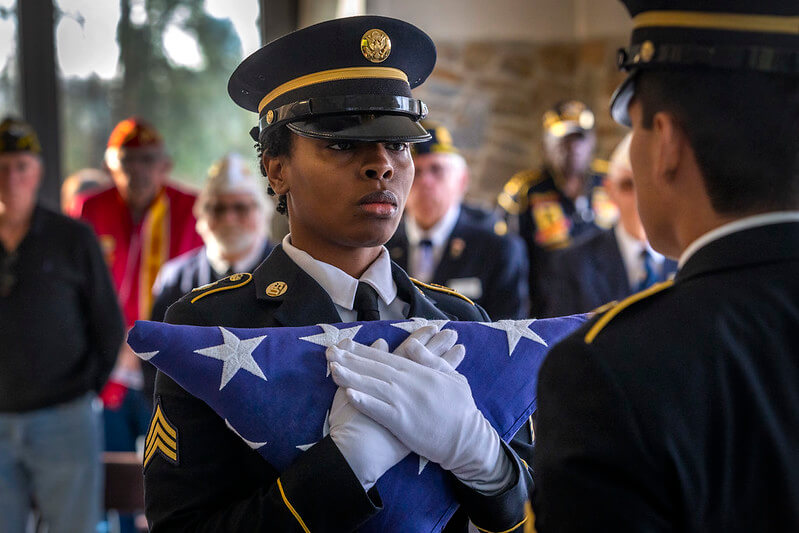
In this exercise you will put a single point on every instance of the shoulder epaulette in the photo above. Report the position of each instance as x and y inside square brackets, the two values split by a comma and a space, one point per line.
[614, 310]
[225, 284]
[600, 166]
[440, 288]
[513, 197]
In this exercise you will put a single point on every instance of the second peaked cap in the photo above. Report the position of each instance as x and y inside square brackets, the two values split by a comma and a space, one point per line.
[348, 78]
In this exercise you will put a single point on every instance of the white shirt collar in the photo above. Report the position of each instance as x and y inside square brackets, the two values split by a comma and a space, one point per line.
[440, 231]
[246, 264]
[338, 284]
[775, 217]
[630, 249]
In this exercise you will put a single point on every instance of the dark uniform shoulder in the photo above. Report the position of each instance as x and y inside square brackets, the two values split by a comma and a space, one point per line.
[229, 283]
[605, 314]
[451, 301]
[216, 302]
[513, 197]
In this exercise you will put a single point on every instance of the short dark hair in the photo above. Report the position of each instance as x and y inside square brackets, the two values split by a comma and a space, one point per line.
[743, 127]
[274, 143]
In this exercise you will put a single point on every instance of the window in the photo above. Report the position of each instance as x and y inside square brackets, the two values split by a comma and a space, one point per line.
[167, 61]
[9, 70]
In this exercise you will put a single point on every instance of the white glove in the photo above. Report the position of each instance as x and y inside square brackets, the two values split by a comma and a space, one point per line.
[369, 448]
[427, 405]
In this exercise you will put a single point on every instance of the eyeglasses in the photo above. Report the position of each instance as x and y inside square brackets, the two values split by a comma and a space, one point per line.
[144, 158]
[240, 209]
[7, 277]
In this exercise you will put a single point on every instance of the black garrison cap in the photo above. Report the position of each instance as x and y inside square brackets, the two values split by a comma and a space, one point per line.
[18, 136]
[348, 79]
[719, 34]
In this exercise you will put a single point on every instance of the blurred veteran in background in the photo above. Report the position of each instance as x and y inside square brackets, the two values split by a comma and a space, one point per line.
[612, 264]
[142, 220]
[563, 199]
[438, 242]
[677, 409]
[60, 331]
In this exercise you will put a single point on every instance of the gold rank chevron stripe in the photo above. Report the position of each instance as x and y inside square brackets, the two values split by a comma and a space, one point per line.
[161, 437]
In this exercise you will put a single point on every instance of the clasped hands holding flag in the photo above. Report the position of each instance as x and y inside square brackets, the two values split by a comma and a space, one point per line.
[380, 389]
[412, 399]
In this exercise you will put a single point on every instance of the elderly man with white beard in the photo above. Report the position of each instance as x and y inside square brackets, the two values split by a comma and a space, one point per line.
[233, 214]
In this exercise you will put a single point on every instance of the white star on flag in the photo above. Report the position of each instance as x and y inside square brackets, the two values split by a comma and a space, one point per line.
[325, 431]
[331, 336]
[516, 330]
[251, 444]
[417, 323]
[236, 354]
[422, 463]
[146, 356]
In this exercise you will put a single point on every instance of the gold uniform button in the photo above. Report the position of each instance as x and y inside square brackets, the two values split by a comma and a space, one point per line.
[277, 288]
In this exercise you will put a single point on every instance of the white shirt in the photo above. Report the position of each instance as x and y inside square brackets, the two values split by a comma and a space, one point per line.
[438, 235]
[631, 249]
[341, 287]
[776, 217]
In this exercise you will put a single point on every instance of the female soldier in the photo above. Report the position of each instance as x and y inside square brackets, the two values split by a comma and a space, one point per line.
[336, 119]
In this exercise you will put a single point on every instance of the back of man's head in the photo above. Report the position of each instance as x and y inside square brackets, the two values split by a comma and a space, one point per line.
[743, 127]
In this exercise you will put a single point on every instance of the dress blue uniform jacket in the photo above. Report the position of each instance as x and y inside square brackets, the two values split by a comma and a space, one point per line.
[474, 254]
[678, 409]
[590, 274]
[218, 483]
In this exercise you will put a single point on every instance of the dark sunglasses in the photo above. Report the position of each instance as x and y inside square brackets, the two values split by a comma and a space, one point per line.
[240, 209]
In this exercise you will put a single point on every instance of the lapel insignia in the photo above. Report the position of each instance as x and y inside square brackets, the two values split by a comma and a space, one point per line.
[456, 247]
[276, 288]
[162, 438]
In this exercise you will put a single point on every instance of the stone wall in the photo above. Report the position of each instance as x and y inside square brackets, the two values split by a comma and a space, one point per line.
[492, 96]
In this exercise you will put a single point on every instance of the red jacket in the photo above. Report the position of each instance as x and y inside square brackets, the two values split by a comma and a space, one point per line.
[135, 251]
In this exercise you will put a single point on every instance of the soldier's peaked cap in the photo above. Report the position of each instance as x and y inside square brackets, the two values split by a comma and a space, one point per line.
[758, 36]
[348, 78]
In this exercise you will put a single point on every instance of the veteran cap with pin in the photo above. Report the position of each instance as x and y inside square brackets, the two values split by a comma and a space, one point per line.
[758, 36]
[567, 117]
[440, 141]
[347, 79]
[18, 136]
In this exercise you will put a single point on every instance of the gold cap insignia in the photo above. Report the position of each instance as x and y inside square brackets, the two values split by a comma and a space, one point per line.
[647, 51]
[375, 46]
[277, 288]
[270, 116]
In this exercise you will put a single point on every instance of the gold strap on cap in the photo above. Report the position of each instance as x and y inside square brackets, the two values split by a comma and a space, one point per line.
[350, 73]
[718, 21]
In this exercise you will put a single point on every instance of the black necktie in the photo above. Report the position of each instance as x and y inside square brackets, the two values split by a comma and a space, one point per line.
[366, 302]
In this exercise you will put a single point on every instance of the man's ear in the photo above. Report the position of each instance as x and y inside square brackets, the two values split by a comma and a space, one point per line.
[671, 142]
[275, 173]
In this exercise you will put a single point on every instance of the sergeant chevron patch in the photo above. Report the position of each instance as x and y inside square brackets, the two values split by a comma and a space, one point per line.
[162, 437]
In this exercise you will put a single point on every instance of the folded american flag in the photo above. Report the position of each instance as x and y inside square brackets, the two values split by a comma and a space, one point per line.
[273, 389]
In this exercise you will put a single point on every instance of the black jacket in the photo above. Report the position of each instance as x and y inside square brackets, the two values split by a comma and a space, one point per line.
[60, 325]
[680, 411]
[219, 484]
[590, 274]
[474, 256]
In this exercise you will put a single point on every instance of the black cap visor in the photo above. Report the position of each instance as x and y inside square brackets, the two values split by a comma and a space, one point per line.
[362, 127]
[621, 99]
